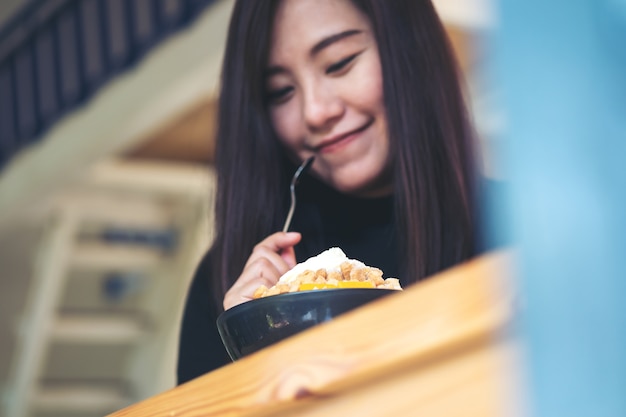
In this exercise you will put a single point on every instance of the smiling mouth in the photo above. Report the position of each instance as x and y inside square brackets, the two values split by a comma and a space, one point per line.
[333, 143]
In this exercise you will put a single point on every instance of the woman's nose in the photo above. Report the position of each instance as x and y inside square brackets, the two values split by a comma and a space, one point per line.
[322, 108]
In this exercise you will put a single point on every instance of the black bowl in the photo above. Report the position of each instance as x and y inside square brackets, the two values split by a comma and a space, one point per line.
[249, 327]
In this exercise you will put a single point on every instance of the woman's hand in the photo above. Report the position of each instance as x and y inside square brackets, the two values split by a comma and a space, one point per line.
[270, 259]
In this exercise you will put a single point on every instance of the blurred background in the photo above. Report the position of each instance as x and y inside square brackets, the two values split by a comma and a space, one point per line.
[106, 115]
[107, 112]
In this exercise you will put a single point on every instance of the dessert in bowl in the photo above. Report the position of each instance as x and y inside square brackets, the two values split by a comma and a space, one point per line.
[313, 292]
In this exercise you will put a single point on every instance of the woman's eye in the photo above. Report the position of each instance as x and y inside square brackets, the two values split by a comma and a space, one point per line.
[278, 95]
[338, 66]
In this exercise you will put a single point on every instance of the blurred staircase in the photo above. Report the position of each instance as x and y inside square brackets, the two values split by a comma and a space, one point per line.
[106, 111]
[111, 274]
[57, 55]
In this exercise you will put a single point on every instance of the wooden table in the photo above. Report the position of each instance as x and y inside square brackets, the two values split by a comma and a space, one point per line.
[439, 348]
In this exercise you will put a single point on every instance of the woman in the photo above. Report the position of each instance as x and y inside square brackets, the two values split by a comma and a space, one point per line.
[368, 87]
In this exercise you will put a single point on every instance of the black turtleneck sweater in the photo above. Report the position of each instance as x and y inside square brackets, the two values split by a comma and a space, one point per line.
[362, 228]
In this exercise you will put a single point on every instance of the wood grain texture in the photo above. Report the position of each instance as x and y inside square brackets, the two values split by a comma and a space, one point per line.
[438, 346]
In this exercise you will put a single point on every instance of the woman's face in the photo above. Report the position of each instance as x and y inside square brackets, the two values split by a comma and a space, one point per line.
[325, 94]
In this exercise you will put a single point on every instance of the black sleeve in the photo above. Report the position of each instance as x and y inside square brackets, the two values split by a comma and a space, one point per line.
[200, 346]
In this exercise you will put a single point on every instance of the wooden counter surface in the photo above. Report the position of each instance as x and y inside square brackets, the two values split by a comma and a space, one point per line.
[439, 348]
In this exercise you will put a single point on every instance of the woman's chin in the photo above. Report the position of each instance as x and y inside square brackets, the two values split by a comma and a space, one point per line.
[362, 189]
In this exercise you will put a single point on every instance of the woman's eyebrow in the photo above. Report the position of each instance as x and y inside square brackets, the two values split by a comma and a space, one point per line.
[271, 71]
[332, 39]
[274, 70]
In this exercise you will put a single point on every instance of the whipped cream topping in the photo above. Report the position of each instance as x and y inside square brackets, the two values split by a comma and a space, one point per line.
[329, 260]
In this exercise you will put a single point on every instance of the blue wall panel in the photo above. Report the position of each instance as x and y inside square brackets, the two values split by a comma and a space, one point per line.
[562, 67]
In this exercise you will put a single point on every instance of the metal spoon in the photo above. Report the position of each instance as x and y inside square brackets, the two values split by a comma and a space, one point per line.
[305, 165]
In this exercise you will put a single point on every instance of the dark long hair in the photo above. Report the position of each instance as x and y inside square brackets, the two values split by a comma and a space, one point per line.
[430, 141]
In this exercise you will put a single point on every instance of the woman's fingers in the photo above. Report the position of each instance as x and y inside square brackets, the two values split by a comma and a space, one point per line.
[258, 272]
[289, 256]
[270, 259]
[277, 244]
